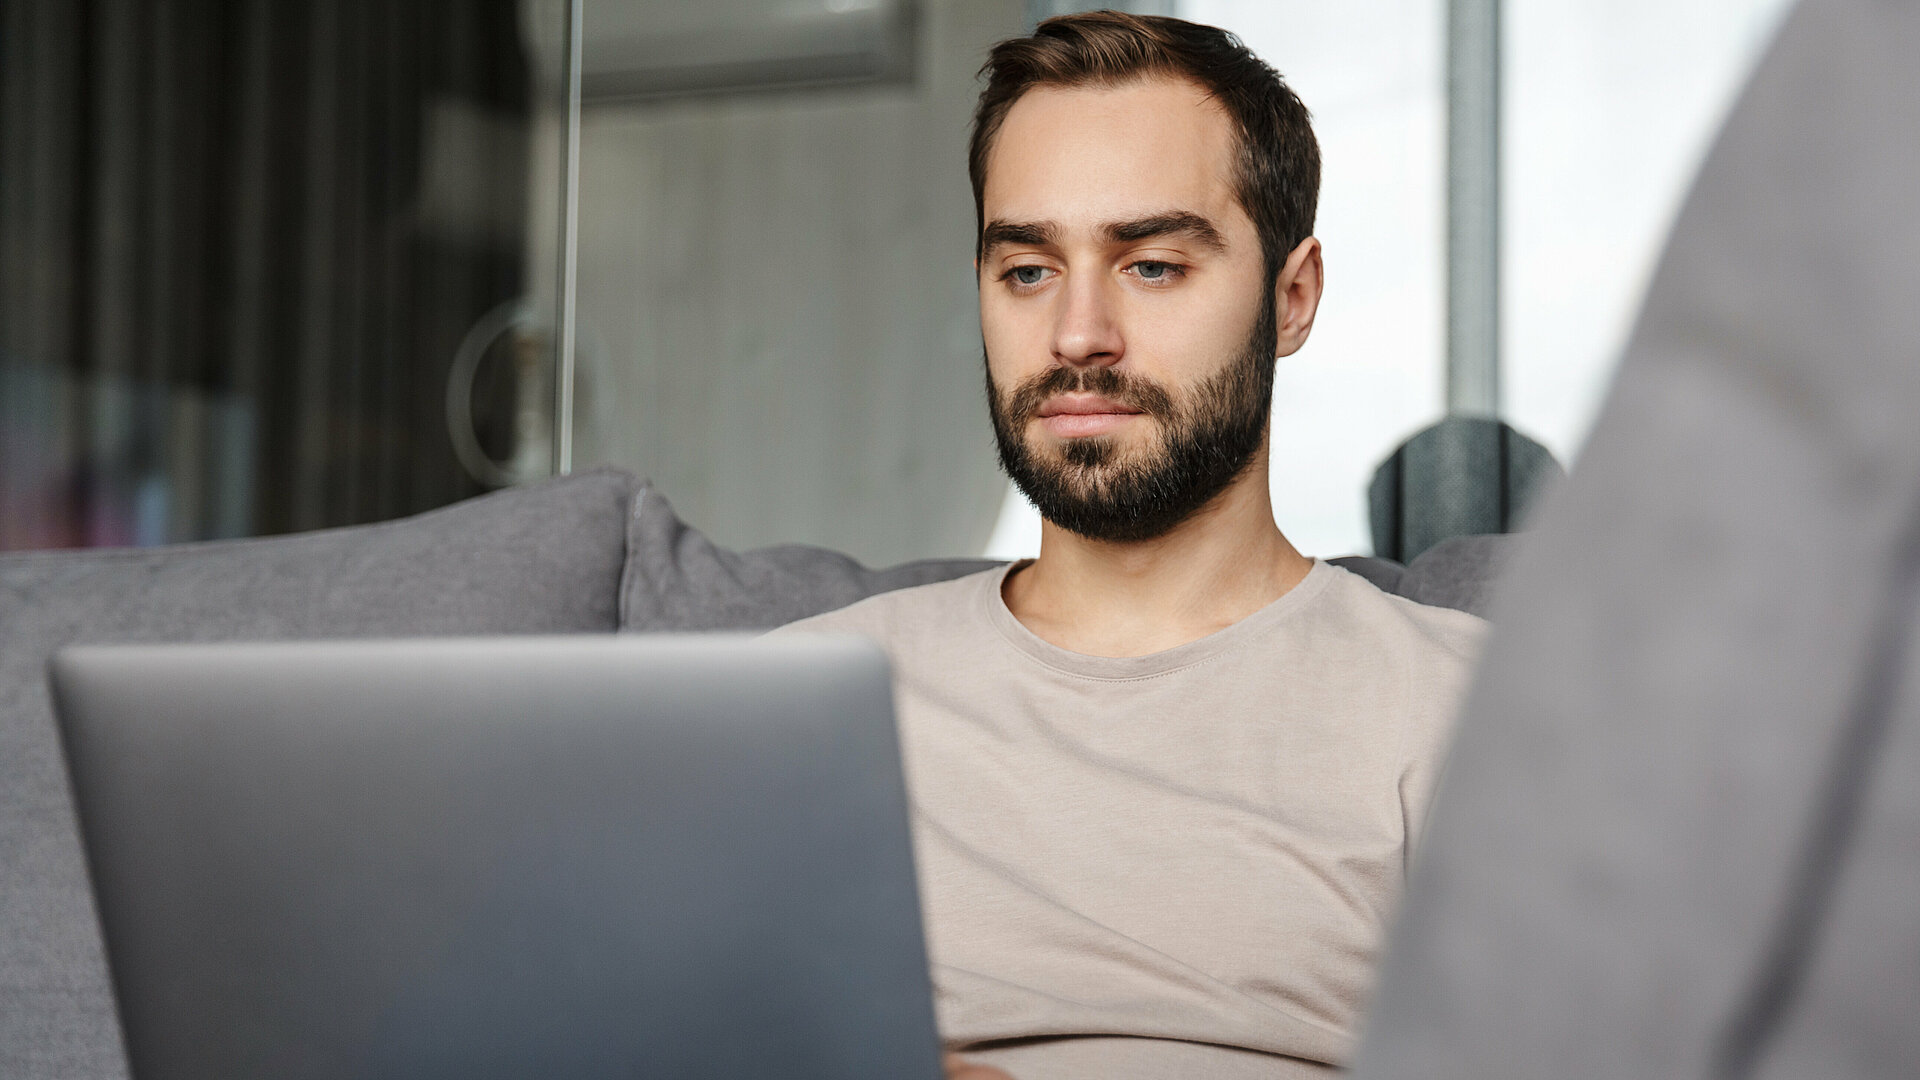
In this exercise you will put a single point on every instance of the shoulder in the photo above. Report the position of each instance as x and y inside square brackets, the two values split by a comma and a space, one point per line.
[890, 617]
[1350, 604]
[1413, 659]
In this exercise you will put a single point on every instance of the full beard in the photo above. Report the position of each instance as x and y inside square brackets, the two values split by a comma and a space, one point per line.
[1207, 441]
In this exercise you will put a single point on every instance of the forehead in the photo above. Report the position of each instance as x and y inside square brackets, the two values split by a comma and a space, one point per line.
[1097, 154]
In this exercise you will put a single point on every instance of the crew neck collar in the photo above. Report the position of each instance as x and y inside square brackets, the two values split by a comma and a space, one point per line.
[993, 605]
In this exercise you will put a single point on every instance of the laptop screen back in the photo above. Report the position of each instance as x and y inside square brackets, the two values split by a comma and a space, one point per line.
[582, 857]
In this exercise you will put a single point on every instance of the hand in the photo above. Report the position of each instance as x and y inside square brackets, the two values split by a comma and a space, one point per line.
[958, 1069]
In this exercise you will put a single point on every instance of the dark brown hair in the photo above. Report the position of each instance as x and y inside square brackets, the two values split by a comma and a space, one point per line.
[1278, 173]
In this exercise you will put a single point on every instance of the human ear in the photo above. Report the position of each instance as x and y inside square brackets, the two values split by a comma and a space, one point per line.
[1296, 296]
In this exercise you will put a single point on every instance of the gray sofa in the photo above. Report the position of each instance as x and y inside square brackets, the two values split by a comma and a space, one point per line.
[599, 552]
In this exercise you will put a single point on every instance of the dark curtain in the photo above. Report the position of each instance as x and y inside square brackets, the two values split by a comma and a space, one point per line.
[240, 243]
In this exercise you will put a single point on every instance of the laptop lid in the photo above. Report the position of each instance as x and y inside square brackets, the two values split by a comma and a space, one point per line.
[581, 857]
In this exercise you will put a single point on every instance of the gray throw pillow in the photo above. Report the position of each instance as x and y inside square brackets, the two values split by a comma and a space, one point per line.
[678, 580]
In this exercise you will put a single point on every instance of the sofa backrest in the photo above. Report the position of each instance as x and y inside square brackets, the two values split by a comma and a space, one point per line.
[678, 580]
[542, 559]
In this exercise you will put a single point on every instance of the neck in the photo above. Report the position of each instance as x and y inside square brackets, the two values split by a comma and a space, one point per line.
[1104, 598]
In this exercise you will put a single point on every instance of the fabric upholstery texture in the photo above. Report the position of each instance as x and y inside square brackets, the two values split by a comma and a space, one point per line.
[541, 559]
[1384, 573]
[678, 580]
[1678, 830]
[1457, 573]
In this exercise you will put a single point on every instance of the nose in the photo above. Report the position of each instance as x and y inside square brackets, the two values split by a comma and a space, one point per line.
[1086, 330]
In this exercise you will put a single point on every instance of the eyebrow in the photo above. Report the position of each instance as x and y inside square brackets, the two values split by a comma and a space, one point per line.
[1022, 233]
[1184, 223]
[1173, 223]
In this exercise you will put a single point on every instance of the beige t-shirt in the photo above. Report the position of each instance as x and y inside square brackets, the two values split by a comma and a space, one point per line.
[1168, 866]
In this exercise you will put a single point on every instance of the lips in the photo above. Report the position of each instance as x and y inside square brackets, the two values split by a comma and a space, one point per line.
[1071, 416]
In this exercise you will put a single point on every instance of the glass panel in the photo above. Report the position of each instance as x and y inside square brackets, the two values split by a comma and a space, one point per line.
[1610, 108]
[241, 247]
[778, 321]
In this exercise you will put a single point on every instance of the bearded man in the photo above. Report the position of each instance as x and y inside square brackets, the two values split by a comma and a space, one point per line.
[1167, 774]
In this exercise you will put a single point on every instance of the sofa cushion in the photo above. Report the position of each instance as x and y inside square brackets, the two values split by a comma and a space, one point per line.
[541, 559]
[1385, 574]
[1458, 573]
[677, 579]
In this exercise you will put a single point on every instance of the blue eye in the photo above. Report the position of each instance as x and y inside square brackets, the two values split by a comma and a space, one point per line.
[1028, 275]
[1153, 271]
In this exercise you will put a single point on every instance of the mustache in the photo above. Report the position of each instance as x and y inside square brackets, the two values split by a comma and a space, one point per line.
[1121, 387]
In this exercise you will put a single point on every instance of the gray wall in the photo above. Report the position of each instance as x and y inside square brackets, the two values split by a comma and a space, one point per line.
[778, 312]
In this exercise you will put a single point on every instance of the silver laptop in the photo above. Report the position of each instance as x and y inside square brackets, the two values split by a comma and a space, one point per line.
[505, 857]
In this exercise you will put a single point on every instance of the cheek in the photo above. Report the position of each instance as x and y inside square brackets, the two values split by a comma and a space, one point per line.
[1184, 344]
[1014, 350]
[1182, 357]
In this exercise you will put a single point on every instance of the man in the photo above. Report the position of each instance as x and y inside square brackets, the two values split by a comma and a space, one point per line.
[1166, 774]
